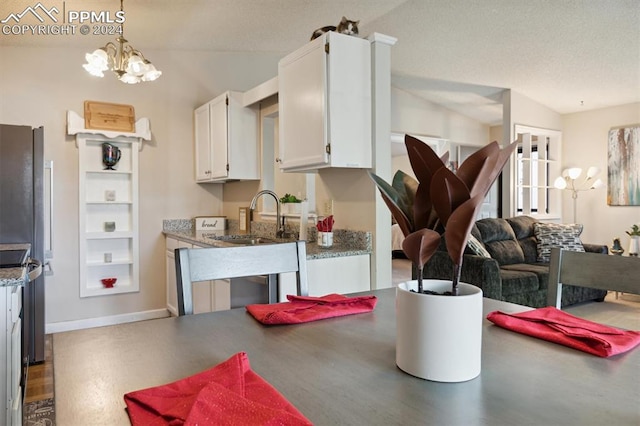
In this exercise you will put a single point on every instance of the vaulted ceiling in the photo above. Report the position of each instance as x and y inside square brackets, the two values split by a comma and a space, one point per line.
[570, 55]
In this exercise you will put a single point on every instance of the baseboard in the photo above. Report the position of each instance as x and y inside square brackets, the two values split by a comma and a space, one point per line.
[58, 327]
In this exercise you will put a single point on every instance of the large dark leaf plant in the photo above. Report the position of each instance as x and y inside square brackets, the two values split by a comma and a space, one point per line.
[440, 201]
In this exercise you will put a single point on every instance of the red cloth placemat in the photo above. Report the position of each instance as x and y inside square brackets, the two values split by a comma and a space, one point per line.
[301, 309]
[560, 327]
[227, 394]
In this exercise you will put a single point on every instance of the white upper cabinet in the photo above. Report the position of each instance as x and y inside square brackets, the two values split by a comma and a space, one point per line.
[325, 104]
[226, 140]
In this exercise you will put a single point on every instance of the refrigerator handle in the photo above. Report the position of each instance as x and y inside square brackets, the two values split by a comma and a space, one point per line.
[48, 245]
[48, 268]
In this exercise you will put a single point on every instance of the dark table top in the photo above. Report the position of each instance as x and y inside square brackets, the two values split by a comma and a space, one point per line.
[342, 371]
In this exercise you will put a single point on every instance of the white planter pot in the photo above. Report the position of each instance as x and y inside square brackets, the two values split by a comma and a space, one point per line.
[439, 338]
[634, 246]
[292, 208]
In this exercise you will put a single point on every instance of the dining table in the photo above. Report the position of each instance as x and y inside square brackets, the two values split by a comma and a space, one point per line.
[342, 371]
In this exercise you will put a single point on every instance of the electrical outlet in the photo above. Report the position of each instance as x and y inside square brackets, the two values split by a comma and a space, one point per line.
[328, 208]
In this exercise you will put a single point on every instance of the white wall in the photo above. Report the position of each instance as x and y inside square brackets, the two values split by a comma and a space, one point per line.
[585, 143]
[414, 115]
[38, 86]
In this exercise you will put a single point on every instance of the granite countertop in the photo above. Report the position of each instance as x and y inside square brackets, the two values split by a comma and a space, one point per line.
[13, 276]
[346, 243]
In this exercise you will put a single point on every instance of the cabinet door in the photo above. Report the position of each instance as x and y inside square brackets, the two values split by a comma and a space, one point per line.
[172, 290]
[302, 103]
[218, 132]
[202, 144]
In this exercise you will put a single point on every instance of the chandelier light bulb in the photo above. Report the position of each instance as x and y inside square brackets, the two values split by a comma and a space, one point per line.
[152, 73]
[135, 65]
[94, 71]
[98, 59]
[129, 78]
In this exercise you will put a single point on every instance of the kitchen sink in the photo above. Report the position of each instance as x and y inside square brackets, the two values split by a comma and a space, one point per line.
[250, 241]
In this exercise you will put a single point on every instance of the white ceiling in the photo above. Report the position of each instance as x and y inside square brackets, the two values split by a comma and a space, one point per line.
[570, 55]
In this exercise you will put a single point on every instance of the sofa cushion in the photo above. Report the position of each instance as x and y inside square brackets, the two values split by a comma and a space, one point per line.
[540, 269]
[522, 226]
[523, 229]
[549, 235]
[517, 282]
[500, 241]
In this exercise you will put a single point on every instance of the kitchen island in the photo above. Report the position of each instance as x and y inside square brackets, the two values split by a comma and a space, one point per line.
[342, 268]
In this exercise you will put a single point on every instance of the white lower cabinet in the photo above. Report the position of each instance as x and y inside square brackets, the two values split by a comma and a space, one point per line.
[10, 355]
[208, 296]
[342, 275]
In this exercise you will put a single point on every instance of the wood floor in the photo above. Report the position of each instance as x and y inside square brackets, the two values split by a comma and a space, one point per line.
[40, 376]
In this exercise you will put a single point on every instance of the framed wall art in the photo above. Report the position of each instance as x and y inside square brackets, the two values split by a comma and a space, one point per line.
[623, 163]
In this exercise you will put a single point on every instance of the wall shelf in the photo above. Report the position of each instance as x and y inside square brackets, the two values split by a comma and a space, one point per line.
[108, 196]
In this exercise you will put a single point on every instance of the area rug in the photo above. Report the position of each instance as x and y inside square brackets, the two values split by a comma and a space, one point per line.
[39, 413]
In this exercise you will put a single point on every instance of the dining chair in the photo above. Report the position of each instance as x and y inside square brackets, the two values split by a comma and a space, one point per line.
[593, 270]
[203, 264]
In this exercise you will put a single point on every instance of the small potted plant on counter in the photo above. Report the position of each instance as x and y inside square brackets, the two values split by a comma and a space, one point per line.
[439, 322]
[290, 203]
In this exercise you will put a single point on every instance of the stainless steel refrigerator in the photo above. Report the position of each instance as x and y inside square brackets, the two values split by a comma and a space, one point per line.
[22, 220]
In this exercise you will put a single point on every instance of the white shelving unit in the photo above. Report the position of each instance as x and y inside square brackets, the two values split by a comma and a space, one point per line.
[108, 196]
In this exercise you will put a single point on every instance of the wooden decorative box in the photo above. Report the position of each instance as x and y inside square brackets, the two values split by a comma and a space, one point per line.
[107, 116]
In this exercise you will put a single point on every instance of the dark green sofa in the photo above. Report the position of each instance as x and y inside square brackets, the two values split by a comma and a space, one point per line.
[512, 273]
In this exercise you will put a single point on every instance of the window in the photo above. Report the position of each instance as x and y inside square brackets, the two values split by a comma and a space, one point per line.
[536, 162]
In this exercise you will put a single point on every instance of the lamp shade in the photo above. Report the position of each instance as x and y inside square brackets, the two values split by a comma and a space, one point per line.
[593, 172]
[560, 183]
[574, 172]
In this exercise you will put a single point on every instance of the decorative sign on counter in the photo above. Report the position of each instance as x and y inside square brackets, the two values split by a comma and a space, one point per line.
[210, 223]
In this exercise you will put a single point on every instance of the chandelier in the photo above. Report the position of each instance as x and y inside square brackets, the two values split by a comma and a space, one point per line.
[128, 63]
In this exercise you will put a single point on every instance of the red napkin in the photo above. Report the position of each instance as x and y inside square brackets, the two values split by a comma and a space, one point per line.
[560, 327]
[229, 393]
[301, 309]
[326, 224]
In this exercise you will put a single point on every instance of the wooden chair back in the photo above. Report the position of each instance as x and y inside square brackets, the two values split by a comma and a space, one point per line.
[593, 270]
[203, 264]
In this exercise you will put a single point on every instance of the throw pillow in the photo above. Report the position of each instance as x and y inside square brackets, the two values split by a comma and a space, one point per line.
[551, 235]
[476, 247]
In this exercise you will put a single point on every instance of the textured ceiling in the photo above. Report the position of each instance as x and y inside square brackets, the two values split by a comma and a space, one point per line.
[570, 55]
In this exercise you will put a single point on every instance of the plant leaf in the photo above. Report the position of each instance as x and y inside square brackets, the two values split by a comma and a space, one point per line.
[470, 168]
[393, 201]
[492, 169]
[447, 192]
[424, 162]
[420, 245]
[459, 226]
[406, 187]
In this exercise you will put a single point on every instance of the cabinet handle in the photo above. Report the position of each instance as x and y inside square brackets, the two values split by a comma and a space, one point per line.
[278, 160]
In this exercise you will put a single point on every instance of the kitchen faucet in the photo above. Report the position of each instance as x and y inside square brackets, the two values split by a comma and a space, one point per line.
[279, 226]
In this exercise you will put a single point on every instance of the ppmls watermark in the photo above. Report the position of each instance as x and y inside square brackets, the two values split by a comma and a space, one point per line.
[60, 21]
